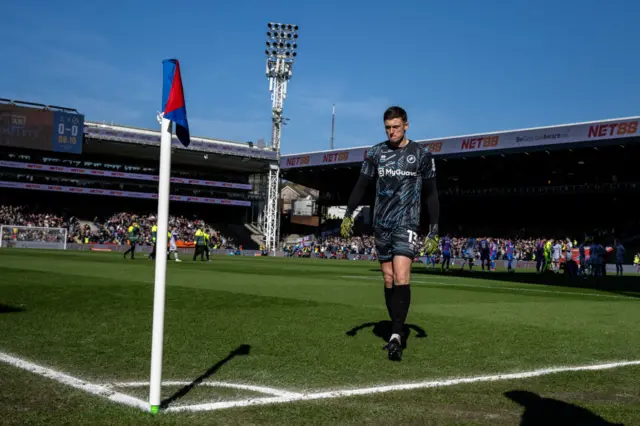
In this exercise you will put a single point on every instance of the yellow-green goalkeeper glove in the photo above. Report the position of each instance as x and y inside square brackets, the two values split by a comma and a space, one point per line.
[346, 228]
[432, 241]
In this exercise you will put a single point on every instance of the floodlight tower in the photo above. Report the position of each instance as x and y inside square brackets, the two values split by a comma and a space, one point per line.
[281, 53]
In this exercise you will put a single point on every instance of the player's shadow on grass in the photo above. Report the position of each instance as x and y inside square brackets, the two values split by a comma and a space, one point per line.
[627, 285]
[382, 329]
[547, 411]
[240, 350]
[7, 309]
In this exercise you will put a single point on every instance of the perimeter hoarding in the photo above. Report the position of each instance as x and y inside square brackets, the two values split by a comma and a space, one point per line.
[41, 129]
[493, 142]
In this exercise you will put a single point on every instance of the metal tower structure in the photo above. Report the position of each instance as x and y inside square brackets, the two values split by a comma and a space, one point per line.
[281, 53]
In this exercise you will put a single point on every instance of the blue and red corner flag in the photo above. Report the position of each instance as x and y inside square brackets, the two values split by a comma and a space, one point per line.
[174, 108]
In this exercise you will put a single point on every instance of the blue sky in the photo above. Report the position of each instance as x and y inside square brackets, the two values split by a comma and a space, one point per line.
[457, 66]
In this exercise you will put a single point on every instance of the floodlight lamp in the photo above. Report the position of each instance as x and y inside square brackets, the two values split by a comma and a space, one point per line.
[267, 52]
[294, 54]
[289, 27]
[288, 45]
[269, 25]
[295, 28]
[281, 45]
[295, 45]
[274, 53]
[288, 35]
[268, 33]
[276, 26]
[268, 44]
[295, 36]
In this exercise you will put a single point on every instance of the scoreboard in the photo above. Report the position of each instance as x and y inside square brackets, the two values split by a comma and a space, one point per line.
[68, 132]
[41, 129]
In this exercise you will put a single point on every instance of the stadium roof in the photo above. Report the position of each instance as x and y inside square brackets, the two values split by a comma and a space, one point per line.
[185, 157]
[132, 135]
[559, 136]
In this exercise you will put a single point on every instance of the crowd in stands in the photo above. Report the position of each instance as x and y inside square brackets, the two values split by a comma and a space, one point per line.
[111, 230]
[20, 215]
[114, 230]
[365, 245]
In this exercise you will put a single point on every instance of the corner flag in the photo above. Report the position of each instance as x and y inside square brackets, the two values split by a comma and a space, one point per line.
[173, 111]
[173, 106]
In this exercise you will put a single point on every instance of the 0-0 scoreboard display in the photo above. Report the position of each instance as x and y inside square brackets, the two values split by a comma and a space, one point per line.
[43, 129]
[68, 132]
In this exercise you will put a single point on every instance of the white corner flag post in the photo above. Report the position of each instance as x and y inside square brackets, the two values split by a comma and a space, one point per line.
[161, 266]
[174, 112]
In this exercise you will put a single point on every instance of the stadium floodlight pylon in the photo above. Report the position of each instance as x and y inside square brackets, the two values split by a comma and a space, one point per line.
[38, 237]
[174, 111]
[282, 46]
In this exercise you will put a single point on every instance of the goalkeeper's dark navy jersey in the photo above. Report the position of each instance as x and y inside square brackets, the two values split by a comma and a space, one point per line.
[399, 173]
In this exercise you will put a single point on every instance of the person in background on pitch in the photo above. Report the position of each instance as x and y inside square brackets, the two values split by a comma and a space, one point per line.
[154, 238]
[619, 257]
[201, 243]
[134, 236]
[446, 252]
[405, 173]
[173, 246]
[509, 249]
[484, 253]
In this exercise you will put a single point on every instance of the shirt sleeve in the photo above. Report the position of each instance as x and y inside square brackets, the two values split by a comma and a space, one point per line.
[428, 166]
[370, 164]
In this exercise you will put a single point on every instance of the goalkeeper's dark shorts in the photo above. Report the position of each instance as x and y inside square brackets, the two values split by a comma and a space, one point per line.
[399, 241]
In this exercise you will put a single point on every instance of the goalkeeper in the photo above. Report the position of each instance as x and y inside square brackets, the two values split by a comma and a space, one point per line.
[404, 173]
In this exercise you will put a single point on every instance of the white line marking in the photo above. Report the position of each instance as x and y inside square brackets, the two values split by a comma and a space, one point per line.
[74, 382]
[496, 287]
[105, 391]
[260, 389]
[399, 387]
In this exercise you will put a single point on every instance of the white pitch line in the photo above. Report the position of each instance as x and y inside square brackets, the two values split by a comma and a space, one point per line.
[105, 391]
[260, 389]
[496, 287]
[399, 387]
[74, 382]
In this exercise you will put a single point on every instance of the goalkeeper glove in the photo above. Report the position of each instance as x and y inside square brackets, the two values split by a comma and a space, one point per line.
[346, 228]
[432, 241]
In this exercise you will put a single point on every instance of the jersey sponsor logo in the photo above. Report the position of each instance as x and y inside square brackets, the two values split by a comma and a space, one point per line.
[479, 143]
[613, 129]
[386, 172]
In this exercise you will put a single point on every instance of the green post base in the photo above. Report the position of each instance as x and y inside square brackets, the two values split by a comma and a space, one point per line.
[155, 409]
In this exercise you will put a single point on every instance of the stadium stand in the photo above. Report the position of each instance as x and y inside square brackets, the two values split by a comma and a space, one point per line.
[558, 181]
[571, 180]
[96, 188]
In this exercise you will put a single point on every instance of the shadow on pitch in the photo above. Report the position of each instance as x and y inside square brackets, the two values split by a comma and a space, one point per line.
[7, 309]
[382, 329]
[547, 411]
[240, 350]
[627, 285]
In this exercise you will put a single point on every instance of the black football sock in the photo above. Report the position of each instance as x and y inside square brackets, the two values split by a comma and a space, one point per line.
[388, 294]
[400, 307]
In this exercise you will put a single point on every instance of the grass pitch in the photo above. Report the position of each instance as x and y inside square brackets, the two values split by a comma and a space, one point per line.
[309, 326]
